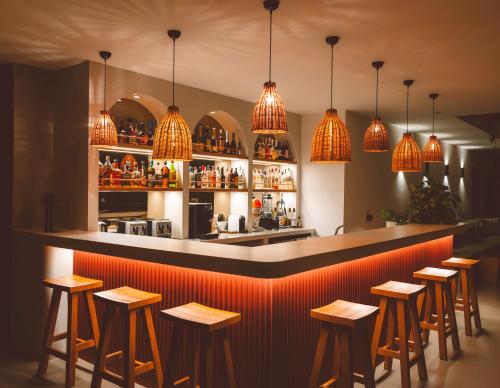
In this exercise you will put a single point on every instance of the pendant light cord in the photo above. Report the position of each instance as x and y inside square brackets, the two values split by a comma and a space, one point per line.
[270, 41]
[331, 80]
[376, 97]
[173, 75]
[105, 79]
[433, 114]
[407, 107]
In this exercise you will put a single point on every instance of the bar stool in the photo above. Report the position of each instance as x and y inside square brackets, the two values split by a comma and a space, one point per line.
[468, 303]
[74, 285]
[398, 308]
[210, 326]
[438, 295]
[128, 301]
[345, 321]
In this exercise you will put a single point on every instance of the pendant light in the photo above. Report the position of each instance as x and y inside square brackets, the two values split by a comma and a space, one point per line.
[406, 156]
[269, 114]
[331, 142]
[172, 137]
[104, 130]
[432, 151]
[376, 136]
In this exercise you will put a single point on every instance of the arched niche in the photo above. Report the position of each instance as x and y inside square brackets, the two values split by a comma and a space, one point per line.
[227, 122]
[154, 106]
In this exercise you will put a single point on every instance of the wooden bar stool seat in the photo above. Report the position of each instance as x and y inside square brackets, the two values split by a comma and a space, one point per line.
[74, 285]
[438, 297]
[207, 327]
[128, 301]
[348, 324]
[468, 303]
[398, 312]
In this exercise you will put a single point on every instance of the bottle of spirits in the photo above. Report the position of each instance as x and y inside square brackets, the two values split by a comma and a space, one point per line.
[132, 139]
[239, 151]
[227, 145]
[127, 174]
[151, 174]
[197, 178]
[208, 140]
[217, 178]
[191, 177]
[222, 179]
[144, 174]
[220, 141]
[231, 179]
[204, 178]
[241, 179]
[213, 141]
[151, 132]
[172, 176]
[106, 171]
[116, 174]
[267, 150]
[136, 175]
[165, 175]
[233, 144]
[101, 172]
[286, 152]
[122, 133]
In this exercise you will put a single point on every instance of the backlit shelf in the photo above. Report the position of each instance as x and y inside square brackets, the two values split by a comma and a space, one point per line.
[274, 190]
[270, 162]
[216, 156]
[209, 190]
[139, 189]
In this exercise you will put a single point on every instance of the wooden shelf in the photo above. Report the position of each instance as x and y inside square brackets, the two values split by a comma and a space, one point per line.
[127, 148]
[203, 190]
[216, 156]
[274, 191]
[139, 189]
[274, 162]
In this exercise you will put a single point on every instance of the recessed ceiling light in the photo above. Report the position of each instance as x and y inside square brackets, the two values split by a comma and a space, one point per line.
[119, 100]
[212, 112]
[136, 96]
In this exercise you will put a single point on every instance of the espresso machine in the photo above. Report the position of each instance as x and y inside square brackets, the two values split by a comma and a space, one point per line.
[267, 220]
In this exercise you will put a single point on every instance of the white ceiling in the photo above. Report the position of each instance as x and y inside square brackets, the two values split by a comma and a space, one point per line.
[447, 46]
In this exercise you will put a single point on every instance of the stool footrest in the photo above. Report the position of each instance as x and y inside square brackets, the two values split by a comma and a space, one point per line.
[118, 353]
[182, 381]
[113, 377]
[59, 337]
[328, 383]
[84, 344]
[143, 367]
[57, 353]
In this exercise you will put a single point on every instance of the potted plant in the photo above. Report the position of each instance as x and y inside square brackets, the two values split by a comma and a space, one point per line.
[392, 218]
[432, 203]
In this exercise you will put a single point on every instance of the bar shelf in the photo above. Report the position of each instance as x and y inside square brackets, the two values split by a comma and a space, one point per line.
[274, 190]
[271, 162]
[211, 190]
[139, 189]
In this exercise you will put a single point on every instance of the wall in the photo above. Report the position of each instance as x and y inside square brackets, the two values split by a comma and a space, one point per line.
[322, 186]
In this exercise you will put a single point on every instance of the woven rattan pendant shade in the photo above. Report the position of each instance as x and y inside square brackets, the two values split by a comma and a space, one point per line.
[376, 137]
[104, 130]
[406, 156]
[331, 142]
[432, 151]
[172, 139]
[269, 115]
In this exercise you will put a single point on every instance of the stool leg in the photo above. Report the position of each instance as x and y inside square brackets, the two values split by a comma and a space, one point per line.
[403, 344]
[377, 332]
[207, 359]
[71, 339]
[345, 376]
[196, 373]
[229, 359]
[389, 335]
[367, 368]
[154, 345]
[173, 355]
[93, 316]
[48, 333]
[318, 358]
[466, 301]
[419, 350]
[452, 318]
[129, 338]
[474, 302]
[430, 293]
[443, 354]
[103, 347]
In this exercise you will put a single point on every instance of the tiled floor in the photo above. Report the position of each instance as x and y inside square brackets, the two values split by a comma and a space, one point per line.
[477, 366]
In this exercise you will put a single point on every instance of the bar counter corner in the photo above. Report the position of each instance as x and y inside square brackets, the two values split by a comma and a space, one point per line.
[273, 287]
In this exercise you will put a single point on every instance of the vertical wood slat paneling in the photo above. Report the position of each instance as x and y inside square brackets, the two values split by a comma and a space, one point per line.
[274, 344]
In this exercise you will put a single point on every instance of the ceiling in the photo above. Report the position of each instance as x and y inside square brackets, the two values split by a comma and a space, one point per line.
[447, 46]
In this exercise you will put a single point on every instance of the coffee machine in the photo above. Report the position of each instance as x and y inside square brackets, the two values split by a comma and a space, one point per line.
[266, 220]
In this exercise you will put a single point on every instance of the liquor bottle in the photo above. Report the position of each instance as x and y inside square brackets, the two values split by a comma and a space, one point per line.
[144, 138]
[151, 131]
[191, 177]
[107, 169]
[116, 174]
[217, 178]
[151, 174]
[213, 177]
[172, 176]
[222, 179]
[227, 145]
[213, 141]
[204, 178]
[101, 172]
[208, 140]
[238, 148]
[231, 179]
[241, 180]
[233, 144]
[197, 178]
[220, 141]
[267, 150]
[235, 179]
[144, 174]
[165, 175]
[122, 133]
[131, 132]
[127, 174]
[286, 152]
[136, 175]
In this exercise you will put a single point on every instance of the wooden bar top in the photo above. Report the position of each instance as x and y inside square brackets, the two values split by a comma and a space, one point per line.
[268, 261]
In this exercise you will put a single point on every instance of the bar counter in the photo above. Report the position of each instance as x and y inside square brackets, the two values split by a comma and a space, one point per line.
[272, 286]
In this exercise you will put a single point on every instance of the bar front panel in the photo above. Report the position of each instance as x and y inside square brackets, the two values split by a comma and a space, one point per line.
[274, 344]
